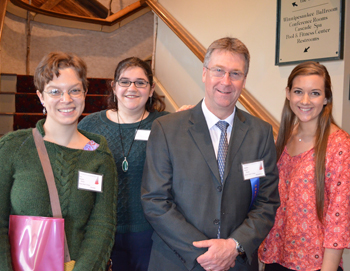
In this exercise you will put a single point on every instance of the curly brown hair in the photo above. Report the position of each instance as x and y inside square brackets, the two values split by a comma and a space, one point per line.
[53, 62]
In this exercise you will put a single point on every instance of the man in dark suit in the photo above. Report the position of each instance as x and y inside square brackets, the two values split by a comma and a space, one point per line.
[210, 180]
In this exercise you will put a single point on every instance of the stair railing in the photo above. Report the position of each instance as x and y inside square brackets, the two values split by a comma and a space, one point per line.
[246, 98]
[3, 5]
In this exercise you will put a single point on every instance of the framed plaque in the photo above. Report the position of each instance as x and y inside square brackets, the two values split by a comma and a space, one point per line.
[309, 30]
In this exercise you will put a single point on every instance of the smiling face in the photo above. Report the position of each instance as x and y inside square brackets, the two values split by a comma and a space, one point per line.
[63, 110]
[307, 97]
[221, 94]
[132, 99]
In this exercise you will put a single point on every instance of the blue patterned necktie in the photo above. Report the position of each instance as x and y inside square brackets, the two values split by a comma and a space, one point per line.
[222, 153]
[223, 147]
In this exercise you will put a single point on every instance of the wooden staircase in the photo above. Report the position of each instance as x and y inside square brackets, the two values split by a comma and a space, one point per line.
[114, 21]
[28, 109]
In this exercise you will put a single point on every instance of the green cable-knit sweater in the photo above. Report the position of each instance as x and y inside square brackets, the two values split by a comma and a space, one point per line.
[90, 217]
[129, 212]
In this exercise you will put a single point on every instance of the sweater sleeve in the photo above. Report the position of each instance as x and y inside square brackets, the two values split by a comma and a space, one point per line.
[8, 143]
[100, 230]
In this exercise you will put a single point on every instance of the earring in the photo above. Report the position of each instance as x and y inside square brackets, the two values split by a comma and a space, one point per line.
[44, 109]
[150, 100]
[114, 97]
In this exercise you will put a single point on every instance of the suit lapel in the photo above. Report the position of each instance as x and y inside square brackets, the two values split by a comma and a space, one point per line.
[198, 129]
[238, 133]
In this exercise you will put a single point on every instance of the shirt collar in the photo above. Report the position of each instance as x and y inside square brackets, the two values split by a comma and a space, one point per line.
[212, 119]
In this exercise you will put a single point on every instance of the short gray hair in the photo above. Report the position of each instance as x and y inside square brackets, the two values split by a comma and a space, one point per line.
[232, 45]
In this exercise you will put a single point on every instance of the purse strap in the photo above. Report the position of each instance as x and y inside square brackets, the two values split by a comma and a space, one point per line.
[50, 180]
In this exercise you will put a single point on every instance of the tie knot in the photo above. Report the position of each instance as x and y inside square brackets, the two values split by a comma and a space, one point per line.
[222, 125]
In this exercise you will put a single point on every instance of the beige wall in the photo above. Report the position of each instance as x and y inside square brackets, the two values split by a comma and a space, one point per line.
[178, 70]
[254, 22]
[346, 80]
[102, 51]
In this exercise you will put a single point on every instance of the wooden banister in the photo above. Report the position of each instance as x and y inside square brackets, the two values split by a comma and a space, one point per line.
[246, 99]
[197, 48]
[3, 5]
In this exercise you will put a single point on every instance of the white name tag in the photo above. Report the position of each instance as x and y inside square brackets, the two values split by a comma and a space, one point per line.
[90, 181]
[253, 170]
[142, 134]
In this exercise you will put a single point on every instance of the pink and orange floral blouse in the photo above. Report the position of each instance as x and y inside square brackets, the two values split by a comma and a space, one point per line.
[298, 239]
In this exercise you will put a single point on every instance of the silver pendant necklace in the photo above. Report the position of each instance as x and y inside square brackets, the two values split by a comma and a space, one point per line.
[125, 163]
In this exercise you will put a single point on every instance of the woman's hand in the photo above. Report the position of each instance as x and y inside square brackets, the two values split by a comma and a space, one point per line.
[185, 107]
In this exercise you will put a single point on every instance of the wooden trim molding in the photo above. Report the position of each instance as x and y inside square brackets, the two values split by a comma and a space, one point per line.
[246, 99]
[3, 5]
[109, 21]
[166, 94]
[256, 109]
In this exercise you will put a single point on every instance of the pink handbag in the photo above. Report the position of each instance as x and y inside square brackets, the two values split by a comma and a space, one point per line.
[37, 243]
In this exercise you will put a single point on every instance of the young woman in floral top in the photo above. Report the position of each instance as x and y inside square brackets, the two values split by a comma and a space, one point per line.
[312, 225]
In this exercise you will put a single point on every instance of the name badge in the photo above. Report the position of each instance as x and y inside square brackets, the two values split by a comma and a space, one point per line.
[253, 170]
[142, 134]
[90, 181]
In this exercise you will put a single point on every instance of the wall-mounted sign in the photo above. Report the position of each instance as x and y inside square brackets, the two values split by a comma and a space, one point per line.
[309, 30]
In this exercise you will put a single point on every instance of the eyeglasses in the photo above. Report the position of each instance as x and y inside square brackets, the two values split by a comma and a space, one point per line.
[127, 83]
[73, 93]
[220, 73]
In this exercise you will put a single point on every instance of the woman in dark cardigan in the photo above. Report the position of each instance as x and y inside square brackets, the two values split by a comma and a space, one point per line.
[133, 105]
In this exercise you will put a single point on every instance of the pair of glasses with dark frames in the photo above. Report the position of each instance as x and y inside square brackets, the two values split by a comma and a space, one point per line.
[137, 83]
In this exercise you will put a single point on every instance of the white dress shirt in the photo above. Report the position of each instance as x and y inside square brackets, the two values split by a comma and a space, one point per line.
[214, 131]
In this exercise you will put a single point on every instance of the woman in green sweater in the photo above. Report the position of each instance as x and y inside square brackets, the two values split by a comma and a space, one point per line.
[90, 216]
[133, 106]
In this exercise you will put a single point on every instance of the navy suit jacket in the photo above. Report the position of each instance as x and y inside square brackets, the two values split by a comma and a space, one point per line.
[183, 197]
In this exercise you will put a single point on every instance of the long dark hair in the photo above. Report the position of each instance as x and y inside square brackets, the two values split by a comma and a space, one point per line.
[154, 103]
[325, 119]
